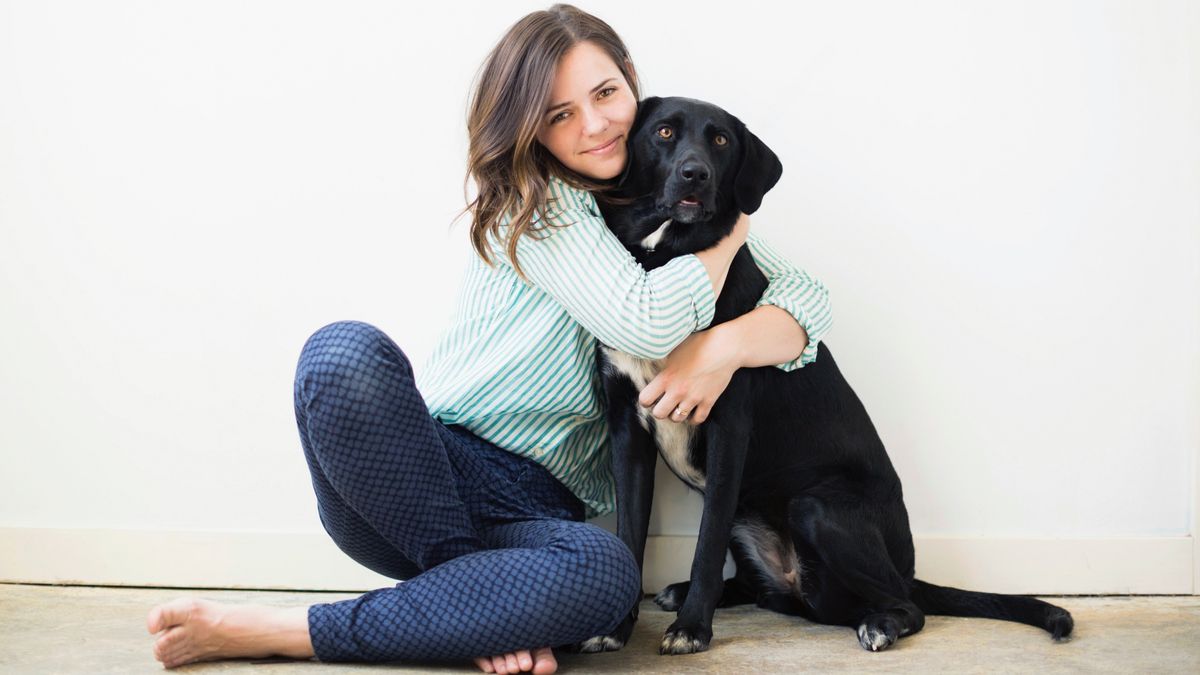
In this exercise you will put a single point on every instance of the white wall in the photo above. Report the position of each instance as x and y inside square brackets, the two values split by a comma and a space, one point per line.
[1004, 199]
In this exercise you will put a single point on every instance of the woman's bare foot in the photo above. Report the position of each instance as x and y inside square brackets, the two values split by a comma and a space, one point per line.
[192, 629]
[541, 662]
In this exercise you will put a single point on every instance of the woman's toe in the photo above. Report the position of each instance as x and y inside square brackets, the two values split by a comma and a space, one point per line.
[544, 662]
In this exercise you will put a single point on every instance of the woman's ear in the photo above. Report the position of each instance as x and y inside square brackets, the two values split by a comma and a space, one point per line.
[758, 172]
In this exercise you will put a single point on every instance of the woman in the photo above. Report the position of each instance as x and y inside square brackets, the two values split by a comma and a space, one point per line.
[474, 487]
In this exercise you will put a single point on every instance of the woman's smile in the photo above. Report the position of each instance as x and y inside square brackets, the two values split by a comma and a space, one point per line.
[606, 148]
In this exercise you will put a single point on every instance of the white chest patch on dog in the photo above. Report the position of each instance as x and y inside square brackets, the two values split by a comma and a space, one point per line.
[674, 439]
[654, 237]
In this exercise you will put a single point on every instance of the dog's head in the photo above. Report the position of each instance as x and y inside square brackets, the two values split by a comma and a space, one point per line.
[695, 164]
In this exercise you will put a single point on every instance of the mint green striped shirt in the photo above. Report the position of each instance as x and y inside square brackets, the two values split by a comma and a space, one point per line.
[517, 366]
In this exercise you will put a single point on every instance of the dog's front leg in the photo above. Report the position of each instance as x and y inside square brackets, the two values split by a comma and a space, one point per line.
[634, 455]
[727, 440]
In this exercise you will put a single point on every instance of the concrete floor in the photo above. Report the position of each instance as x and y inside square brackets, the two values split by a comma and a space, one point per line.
[81, 629]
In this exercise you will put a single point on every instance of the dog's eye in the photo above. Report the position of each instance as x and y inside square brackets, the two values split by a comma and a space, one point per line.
[666, 132]
[720, 139]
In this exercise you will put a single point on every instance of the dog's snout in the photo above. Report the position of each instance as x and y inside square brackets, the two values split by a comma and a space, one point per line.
[694, 172]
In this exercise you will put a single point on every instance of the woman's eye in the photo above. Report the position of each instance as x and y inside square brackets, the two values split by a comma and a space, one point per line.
[609, 89]
[720, 139]
[558, 117]
[666, 132]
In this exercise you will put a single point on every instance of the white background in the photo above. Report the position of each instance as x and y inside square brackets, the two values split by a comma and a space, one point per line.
[1002, 197]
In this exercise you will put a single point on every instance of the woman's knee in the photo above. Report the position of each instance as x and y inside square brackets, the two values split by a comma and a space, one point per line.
[616, 583]
[352, 353]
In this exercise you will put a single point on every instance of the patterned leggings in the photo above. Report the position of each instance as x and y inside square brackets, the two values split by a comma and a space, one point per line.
[493, 550]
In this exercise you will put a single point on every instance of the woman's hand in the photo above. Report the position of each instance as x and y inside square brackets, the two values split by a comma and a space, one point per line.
[696, 373]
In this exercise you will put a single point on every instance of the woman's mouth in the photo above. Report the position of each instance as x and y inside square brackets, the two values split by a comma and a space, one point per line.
[606, 148]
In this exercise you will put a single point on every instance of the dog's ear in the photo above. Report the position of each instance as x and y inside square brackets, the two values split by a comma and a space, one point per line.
[759, 171]
[645, 107]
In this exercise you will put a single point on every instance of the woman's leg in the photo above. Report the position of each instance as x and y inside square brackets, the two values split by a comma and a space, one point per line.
[385, 488]
[564, 582]
[384, 473]
[547, 582]
[554, 582]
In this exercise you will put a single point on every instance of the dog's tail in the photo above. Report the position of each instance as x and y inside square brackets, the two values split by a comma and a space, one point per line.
[947, 601]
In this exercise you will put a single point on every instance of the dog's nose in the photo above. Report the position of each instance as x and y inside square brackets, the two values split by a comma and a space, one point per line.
[694, 172]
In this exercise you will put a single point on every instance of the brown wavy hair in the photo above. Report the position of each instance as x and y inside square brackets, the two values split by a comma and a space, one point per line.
[510, 167]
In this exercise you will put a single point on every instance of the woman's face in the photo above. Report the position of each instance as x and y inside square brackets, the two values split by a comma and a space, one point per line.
[591, 111]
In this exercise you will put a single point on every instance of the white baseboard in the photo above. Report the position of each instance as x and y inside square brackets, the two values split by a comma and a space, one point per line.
[311, 561]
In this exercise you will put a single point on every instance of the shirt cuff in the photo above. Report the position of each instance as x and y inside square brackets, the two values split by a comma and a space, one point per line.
[801, 315]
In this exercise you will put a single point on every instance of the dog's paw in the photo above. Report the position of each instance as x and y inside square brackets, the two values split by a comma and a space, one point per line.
[878, 632]
[600, 643]
[681, 640]
[611, 642]
[671, 598]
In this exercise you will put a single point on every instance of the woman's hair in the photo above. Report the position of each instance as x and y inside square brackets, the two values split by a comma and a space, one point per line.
[511, 168]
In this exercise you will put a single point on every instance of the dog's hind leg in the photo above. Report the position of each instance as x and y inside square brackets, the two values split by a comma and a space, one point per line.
[671, 597]
[853, 552]
[740, 589]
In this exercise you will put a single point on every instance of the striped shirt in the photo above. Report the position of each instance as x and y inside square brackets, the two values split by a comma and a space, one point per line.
[517, 366]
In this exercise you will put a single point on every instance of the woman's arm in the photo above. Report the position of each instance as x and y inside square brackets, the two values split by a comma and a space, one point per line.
[718, 257]
[601, 285]
[765, 337]
[790, 318]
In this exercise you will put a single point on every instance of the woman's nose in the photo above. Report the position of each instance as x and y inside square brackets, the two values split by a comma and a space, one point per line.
[594, 122]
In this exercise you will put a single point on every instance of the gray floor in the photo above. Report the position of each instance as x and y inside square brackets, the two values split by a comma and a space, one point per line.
[80, 629]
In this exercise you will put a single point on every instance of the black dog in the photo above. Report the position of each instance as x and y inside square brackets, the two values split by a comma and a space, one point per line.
[796, 481]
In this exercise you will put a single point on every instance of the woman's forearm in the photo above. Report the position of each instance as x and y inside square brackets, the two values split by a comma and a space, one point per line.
[718, 257]
[766, 336]
[717, 261]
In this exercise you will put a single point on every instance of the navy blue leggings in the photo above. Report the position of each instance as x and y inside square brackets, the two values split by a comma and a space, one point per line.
[493, 550]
